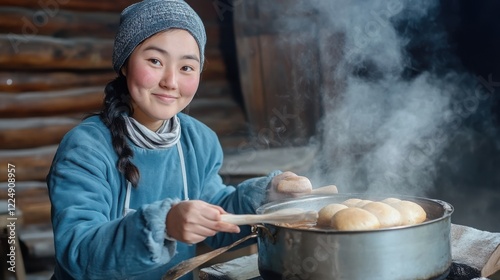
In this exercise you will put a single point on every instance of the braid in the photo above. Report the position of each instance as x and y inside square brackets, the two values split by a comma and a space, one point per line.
[117, 102]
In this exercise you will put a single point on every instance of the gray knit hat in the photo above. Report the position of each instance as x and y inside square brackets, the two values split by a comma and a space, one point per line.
[141, 20]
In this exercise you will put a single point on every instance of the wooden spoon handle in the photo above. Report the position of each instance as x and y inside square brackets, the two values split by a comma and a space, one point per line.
[330, 189]
[281, 216]
[188, 265]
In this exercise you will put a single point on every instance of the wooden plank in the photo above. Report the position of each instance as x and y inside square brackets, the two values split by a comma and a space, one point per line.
[252, 87]
[211, 88]
[214, 67]
[225, 126]
[68, 24]
[281, 93]
[33, 132]
[32, 199]
[63, 24]
[18, 52]
[31, 164]
[21, 81]
[32, 104]
[222, 107]
[51, 7]
[26, 188]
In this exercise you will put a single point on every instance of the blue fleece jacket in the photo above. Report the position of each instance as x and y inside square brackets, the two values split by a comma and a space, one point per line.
[93, 240]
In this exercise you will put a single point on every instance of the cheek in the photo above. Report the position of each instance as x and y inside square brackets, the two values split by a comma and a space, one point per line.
[190, 86]
[142, 78]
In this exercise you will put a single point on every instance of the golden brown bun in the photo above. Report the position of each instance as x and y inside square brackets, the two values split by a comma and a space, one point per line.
[387, 215]
[354, 218]
[391, 200]
[411, 212]
[326, 213]
[351, 202]
[363, 203]
[294, 184]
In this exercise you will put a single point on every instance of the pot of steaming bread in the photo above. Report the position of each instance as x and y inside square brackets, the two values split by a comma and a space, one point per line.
[347, 243]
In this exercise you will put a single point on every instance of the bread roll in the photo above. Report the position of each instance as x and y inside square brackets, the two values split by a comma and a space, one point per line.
[326, 213]
[294, 184]
[351, 202]
[391, 200]
[387, 215]
[353, 218]
[411, 212]
[363, 203]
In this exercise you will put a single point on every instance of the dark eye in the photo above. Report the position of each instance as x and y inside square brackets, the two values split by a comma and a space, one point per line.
[155, 61]
[187, 68]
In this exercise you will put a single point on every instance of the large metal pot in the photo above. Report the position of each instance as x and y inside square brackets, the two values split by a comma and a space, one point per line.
[408, 252]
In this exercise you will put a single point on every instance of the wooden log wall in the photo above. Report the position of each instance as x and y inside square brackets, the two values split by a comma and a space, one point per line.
[55, 59]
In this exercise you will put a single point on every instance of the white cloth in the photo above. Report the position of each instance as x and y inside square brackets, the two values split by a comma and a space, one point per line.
[471, 246]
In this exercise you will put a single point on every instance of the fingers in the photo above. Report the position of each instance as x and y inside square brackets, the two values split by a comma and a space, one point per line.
[291, 185]
[282, 176]
[193, 221]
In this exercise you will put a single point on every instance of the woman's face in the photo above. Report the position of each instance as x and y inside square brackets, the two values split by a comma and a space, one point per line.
[162, 74]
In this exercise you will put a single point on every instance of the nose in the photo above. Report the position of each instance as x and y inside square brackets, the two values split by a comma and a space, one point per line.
[169, 79]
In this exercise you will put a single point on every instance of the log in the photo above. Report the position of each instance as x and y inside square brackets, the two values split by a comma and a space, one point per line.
[223, 114]
[63, 24]
[213, 88]
[18, 52]
[207, 10]
[225, 126]
[25, 189]
[222, 107]
[33, 104]
[75, 103]
[68, 24]
[30, 164]
[32, 199]
[214, 67]
[55, 6]
[47, 81]
[33, 132]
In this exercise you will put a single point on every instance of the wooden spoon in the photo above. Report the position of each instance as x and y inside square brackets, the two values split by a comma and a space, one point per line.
[330, 189]
[287, 215]
[189, 265]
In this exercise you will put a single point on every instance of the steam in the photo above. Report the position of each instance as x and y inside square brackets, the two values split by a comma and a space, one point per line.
[384, 128]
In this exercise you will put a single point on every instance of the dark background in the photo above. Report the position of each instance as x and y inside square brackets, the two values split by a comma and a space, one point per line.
[469, 173]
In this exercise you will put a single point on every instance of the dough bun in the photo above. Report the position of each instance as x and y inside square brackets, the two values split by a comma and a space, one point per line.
[387, 215]
[391, 200]
[326, 213]
[411, 212]
[352, 202]
[353, 218]
[294, 184]
[363, 203]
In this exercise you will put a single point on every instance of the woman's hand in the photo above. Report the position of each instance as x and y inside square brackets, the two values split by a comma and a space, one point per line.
[289, 184]
[194, 220]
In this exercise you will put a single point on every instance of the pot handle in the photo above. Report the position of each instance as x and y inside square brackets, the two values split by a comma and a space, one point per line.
[265, 232]
[189, 265]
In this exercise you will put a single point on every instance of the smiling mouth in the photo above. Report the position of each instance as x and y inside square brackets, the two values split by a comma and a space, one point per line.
[165, 98]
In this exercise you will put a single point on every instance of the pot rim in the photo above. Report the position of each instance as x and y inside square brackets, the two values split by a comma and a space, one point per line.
[446, 207]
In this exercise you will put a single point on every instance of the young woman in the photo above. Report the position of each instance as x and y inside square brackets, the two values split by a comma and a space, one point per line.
[134, 186]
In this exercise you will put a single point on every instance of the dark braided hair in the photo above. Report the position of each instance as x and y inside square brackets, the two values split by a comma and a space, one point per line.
[116, 103]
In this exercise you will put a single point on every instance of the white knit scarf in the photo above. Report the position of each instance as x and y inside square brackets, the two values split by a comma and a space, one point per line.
[166, 136]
